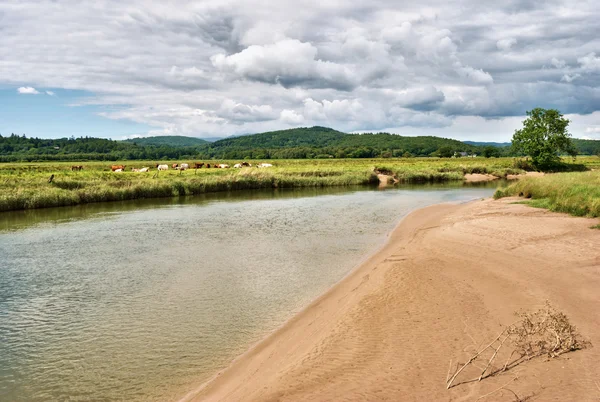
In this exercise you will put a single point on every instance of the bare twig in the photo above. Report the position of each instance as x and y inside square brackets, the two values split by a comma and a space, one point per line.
[493, 357]
[544, 332]
[501, 388]
[449, 384]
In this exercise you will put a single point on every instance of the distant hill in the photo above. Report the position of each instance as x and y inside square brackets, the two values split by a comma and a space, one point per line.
[485, 144]
[587, 147]
[168, 140]
[296, 143]
[311, 142]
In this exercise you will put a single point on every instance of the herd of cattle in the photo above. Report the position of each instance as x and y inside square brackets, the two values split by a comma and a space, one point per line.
[181, 167]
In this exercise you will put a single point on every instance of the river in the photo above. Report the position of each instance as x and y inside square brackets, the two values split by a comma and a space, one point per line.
[144, 300]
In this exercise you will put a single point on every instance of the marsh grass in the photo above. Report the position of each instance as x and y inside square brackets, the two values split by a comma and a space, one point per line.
[25, 185]
[576, 193]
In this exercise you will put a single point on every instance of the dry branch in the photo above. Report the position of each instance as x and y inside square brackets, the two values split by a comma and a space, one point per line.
[544, 332]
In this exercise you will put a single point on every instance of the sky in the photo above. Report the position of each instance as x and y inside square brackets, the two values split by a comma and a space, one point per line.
[467, 69]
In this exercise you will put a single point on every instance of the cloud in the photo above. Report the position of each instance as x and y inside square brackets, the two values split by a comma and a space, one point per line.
[590, 63]
[50, 93]
[426, 98]
[570, 78]
[558, 63]
[291, 117]
[232, 67]
[288, 62]
[476, 76]
[241, 113]
[506, 44]
[28, 91]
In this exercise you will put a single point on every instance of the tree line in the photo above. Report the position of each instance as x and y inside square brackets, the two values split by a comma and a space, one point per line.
[299, 143]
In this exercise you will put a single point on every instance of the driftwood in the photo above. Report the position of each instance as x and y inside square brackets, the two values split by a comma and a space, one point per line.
[544, 332]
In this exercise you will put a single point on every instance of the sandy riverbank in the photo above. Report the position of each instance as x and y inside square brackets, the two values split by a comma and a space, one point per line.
[449, 276]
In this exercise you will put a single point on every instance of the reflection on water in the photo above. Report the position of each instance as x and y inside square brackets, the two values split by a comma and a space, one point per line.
[141, 300]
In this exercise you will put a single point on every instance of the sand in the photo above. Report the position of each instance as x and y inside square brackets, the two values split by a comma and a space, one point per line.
[449, 276]
[479, 177]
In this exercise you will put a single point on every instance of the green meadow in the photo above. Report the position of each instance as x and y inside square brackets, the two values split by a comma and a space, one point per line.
[576, 193]
[26, 185]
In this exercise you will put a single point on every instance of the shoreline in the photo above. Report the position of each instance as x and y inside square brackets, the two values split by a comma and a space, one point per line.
[346, 342]
[367, 258]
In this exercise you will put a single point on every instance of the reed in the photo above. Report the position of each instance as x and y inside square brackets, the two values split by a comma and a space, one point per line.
[574, 193]
[26, 186]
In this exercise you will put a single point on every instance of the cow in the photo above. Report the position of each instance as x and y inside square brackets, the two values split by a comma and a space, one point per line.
[118, 170]
[76, 167]
[144, 169]
[208, 165]
[223, 166]
[135, 170]
[237, 166]
[175, 165]
[264, 165]
[246, 164]
[184, 166]
[198, 165]
[114, 168]
[162, 167]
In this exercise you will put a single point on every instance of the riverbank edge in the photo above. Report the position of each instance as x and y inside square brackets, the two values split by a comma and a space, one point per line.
[393, 240]
[405, 231]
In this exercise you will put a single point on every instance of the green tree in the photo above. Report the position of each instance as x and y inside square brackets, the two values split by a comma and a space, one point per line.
[491, 151]
[543, 136]
[445, 152]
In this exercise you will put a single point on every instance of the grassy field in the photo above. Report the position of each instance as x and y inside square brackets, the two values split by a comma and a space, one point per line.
[574, 193]
[25, 185]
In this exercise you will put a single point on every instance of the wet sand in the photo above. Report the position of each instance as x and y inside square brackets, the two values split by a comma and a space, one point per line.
[449, 277]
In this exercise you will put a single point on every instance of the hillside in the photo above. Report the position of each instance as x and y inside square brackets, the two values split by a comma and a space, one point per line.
[297, 143]
[168, 140]
[311, 142]
[492, 144]
[587, 147]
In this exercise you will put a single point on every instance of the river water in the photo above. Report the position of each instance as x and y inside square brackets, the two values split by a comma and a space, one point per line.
[144, 300]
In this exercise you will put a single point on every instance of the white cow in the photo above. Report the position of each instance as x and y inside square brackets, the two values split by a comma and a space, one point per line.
[184, 166]
[144, 169]
[237, 166]
[118, 170]
[264, 165]
[223, 166]
[163, 167]
[135, 170]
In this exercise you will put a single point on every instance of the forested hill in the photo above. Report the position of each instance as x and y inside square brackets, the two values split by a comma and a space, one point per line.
[298, 143]
[21, 148]
[325, 142]
[491, 144]
[168, 140]
[587, 147]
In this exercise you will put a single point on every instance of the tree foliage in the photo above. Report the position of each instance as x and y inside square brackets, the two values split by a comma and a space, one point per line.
[298, 143]
[543, 137]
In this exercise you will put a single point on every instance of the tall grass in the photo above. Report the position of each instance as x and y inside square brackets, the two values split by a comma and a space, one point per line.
[25, 185]
[574, 193]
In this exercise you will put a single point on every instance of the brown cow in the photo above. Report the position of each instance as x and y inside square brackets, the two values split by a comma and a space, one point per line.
[175, 165]
[117, 167]
[198, 165]
[208, 165]
[76, 167]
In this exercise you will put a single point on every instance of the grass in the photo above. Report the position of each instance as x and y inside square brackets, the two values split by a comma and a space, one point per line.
[576, 193]
[25, 185]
